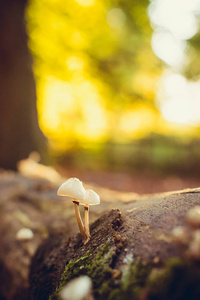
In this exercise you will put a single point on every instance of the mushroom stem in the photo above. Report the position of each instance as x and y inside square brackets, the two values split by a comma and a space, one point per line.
[79, 221]
[87, 228]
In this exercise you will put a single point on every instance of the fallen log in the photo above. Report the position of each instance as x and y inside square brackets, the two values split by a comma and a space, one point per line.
[140, 238]
[31, 211]
[149, 249]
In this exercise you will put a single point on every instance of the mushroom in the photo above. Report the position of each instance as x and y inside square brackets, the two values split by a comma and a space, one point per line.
[92, 198]
[78, 289]
[193, 216]
[24, 234]
[73, 188]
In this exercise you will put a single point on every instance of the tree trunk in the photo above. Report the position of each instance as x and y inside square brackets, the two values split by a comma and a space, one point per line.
[19, 130]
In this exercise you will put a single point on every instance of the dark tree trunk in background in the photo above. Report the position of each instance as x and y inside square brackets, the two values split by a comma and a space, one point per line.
[19, 130]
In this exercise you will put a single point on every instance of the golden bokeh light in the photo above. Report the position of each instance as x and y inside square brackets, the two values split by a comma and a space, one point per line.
[96, 74]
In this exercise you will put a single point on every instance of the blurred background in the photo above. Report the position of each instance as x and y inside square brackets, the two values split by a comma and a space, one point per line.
[113, 85]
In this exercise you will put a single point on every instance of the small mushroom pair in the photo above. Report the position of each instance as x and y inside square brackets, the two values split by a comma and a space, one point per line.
[74, 189]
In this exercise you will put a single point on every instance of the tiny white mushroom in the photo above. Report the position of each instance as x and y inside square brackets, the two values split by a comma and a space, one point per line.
[194, 248]
[193, 216]
[78, 289]
[91, 198]
[24, 234]
[73, 188]
[180, 235]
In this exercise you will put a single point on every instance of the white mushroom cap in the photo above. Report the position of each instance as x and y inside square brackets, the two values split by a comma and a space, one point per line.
[91, 198]
[193, 216]
[24, 234]
[72, 188]
[77, 289]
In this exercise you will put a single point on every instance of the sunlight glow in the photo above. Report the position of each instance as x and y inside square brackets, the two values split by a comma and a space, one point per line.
[169, 49]
[116, 18]
[138, 121]
[175, 16]
[174, 21]
[75, 63]
[179, 99]
[93, 125]
[77, 39]
[57, 97]
[96, 74]
[66, 113]
[85, 3]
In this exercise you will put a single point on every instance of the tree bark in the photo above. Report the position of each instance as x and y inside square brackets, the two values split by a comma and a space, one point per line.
[19, 130]
[132, 254]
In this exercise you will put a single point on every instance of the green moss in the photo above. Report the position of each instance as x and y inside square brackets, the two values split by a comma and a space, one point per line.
[131, 282]
[179, 280]
[95, 266]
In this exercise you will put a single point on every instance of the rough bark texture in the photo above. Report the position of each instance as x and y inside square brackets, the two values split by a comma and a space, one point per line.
[19, 130]
[135, 239]
[137, 242]
[33, 203]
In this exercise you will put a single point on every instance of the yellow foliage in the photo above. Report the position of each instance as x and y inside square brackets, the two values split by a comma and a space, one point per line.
[95, 70]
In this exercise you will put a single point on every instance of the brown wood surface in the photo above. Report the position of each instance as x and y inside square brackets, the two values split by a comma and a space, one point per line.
[145, 225]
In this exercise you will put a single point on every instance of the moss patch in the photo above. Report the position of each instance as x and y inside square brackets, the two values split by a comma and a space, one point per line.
[131, 282]
[179, 280]
[96, 267]
[105, 285]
